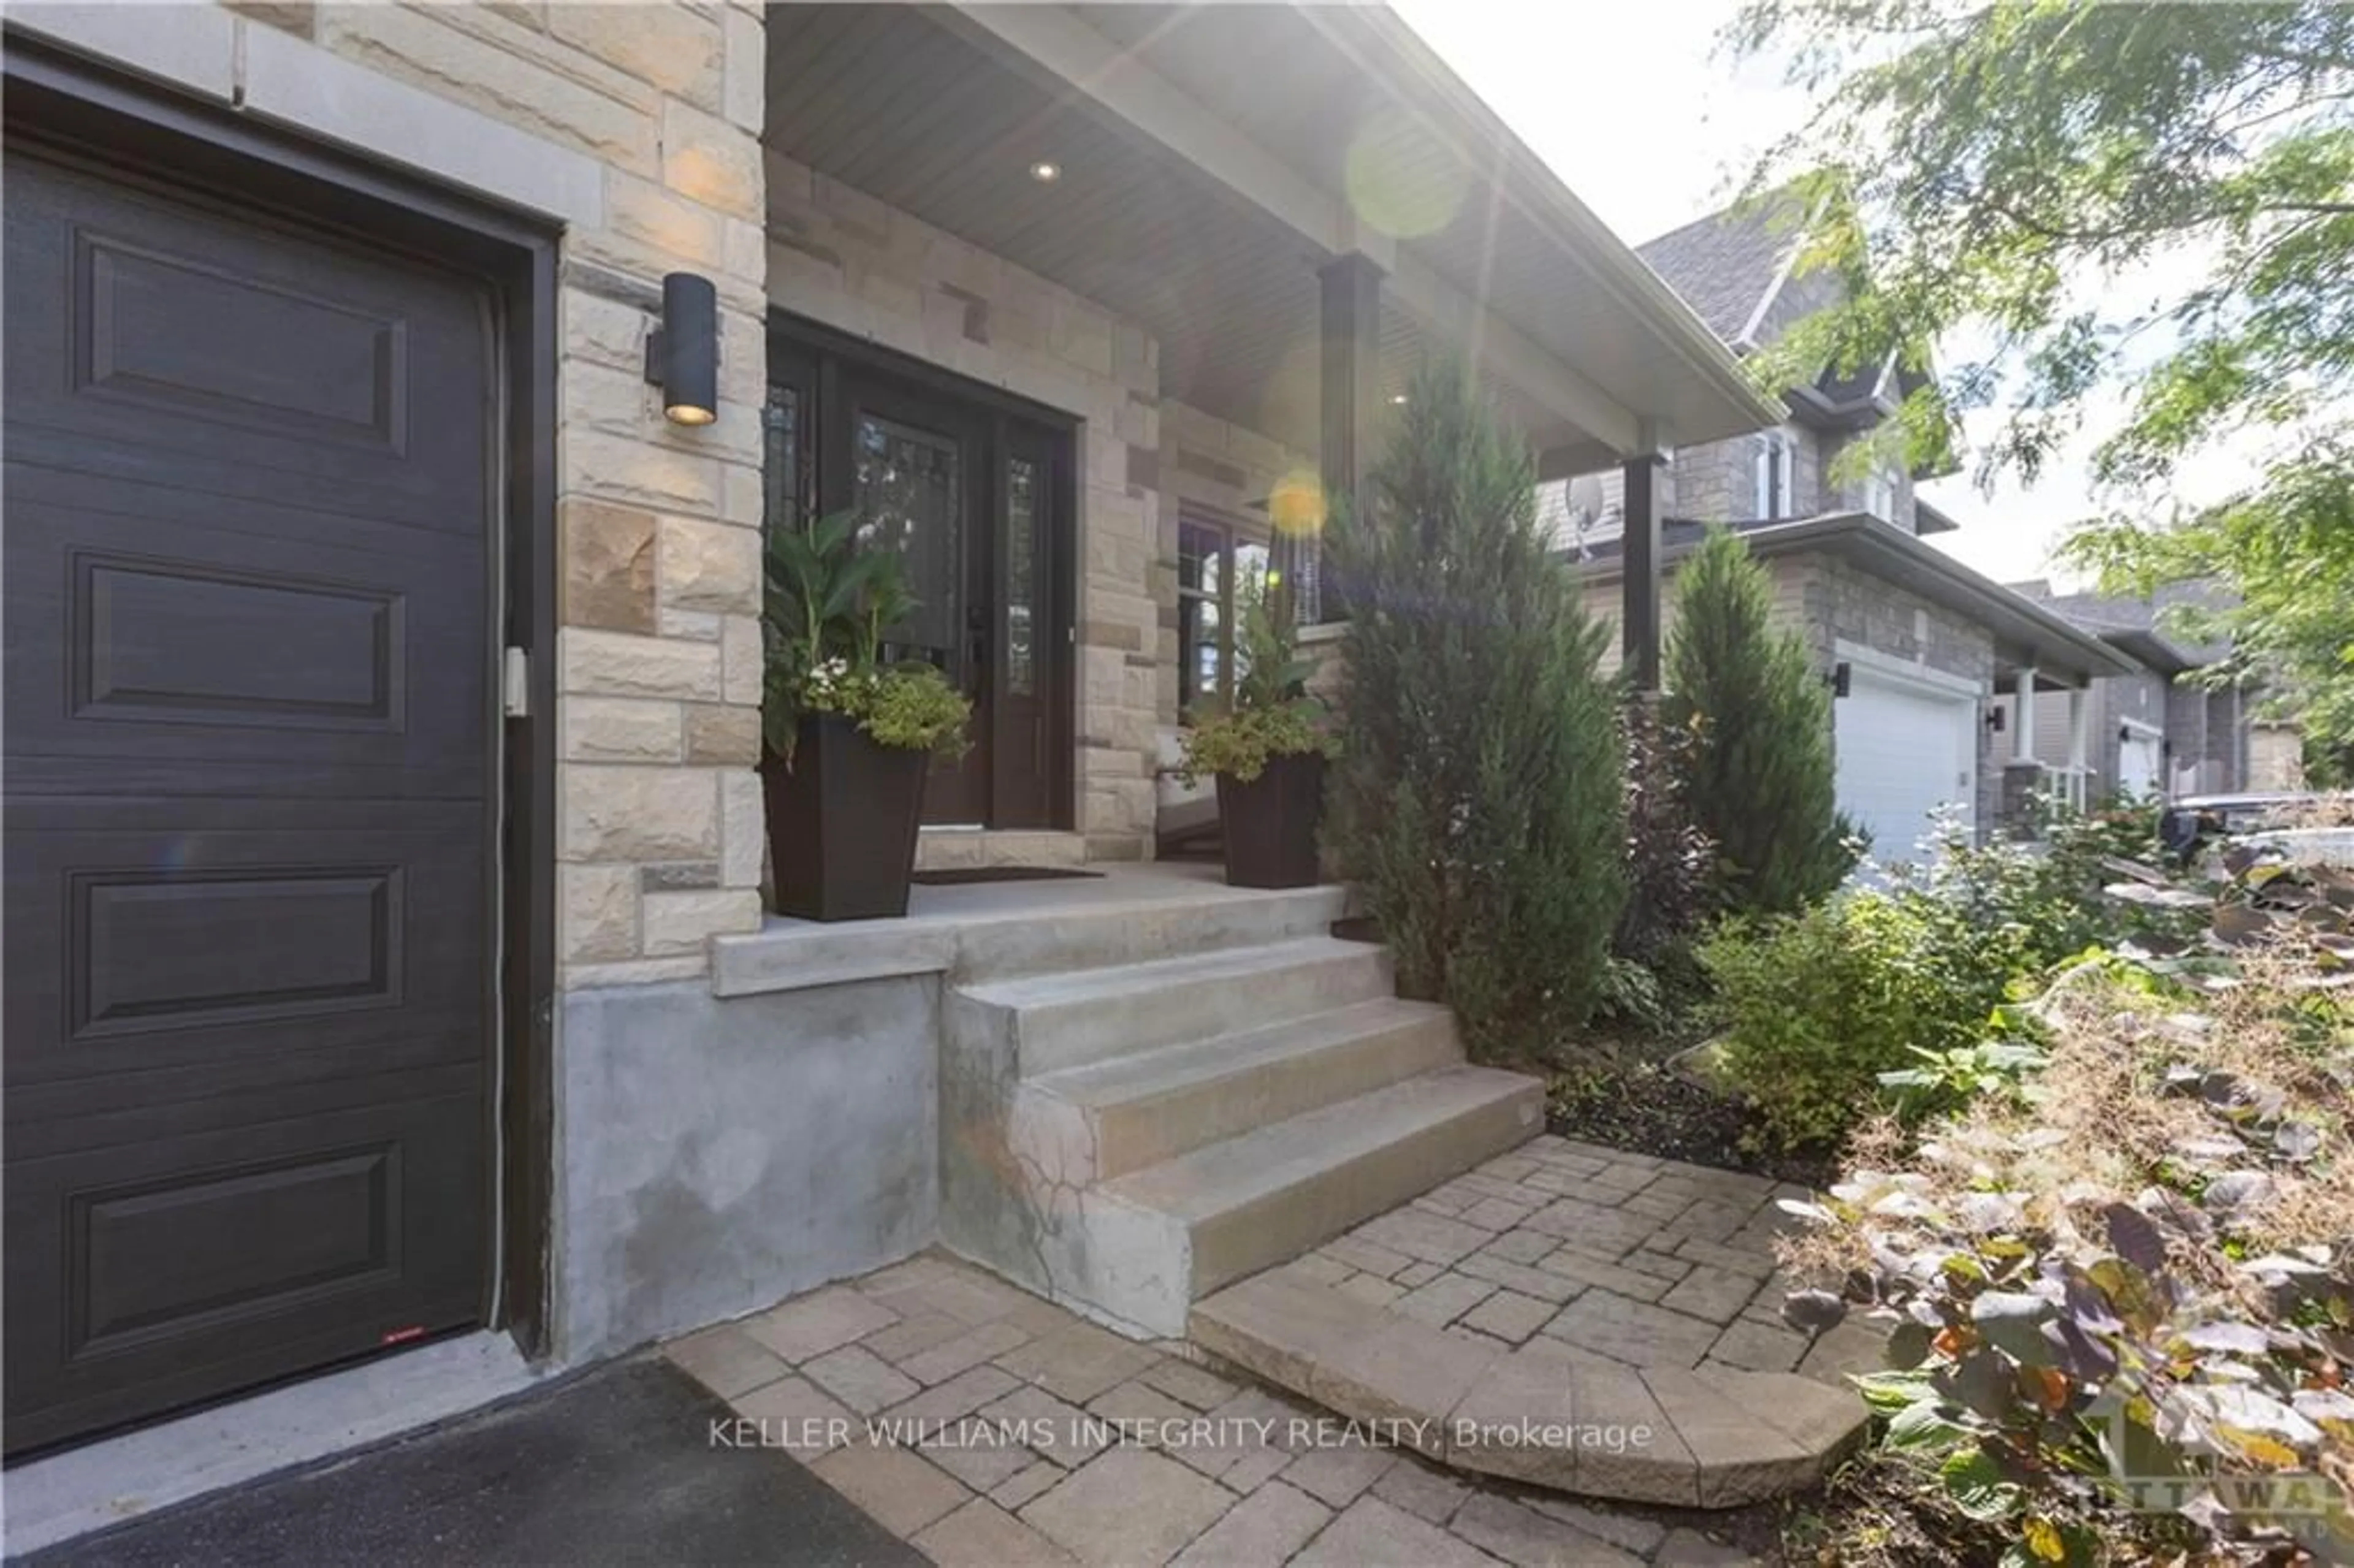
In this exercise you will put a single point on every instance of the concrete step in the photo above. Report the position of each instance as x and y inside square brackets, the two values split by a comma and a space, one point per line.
[1056, 1021]
[1546, 1414]
[983, 932]
[1269, 1195]
[1067, 939]
[1107, 1118]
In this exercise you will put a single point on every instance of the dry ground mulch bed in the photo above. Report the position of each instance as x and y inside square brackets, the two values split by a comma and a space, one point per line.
[1645, 1106]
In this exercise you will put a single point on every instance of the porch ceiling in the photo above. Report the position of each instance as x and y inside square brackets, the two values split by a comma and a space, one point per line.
[1353, 100]
[923, 109]
[889, 101]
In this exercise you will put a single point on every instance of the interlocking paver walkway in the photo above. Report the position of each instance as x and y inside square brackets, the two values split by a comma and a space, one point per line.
[1064, 1444]
[1598, 1322]
[1649, 1262]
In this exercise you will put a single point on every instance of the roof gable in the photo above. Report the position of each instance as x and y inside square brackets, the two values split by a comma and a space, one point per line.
[1730, 265]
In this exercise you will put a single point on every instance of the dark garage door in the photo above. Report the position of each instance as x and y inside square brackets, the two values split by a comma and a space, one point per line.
[247, 829]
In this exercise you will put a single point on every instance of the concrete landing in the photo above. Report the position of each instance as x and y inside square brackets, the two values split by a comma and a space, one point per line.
[1571, 1317]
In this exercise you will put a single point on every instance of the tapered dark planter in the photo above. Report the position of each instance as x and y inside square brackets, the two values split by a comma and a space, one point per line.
[843, 821]
[1269, 824]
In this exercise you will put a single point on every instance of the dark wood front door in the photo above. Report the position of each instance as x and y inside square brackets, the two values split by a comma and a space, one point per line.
[917, 468]
[249, 830]
[974, 494]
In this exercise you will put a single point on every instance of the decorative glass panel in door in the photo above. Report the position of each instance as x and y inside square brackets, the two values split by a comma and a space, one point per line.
[914, 463]
[1021, 771]
[910, 499]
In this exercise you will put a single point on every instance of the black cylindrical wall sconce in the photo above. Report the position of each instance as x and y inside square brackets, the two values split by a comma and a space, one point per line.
[683, 353]
[1841, 680]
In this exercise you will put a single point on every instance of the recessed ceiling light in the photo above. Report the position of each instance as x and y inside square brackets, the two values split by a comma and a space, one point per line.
[1045, 173]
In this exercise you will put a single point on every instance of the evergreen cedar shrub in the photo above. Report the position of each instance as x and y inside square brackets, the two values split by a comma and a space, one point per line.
[1758, 773]
[1478, 795]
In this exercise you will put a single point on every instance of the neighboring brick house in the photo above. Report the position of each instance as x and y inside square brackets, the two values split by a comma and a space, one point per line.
[1923, 642]
[2161, 729]
[386, 955]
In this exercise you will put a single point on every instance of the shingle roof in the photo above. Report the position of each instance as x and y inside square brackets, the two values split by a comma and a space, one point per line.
[1725, 265]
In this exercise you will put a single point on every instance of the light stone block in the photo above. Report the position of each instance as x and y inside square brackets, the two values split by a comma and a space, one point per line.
[615, 663]
[635, 972]
[488, 62]
[638, 814]
[709, 566]
[741, 661]
[708, 160]
[745, 61]
[657, 224]
[675, 924]
[618, 467]
[671, 46]
[597, 907]
[603, 329]
[620, 729]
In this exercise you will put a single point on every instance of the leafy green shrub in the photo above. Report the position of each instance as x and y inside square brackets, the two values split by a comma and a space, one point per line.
[830, 602]
[2049, 892]
[1947, 1078]
[1271, 716]
[1816, 1006]
[1477, 800]
[1758, 772]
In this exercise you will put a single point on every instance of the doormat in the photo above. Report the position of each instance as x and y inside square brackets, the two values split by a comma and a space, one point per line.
[965, 874]
[628, 1464]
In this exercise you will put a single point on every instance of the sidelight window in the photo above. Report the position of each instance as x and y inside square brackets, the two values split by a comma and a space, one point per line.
[1215, 560]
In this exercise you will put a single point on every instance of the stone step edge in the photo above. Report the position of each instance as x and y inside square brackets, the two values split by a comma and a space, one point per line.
[1546, 1414]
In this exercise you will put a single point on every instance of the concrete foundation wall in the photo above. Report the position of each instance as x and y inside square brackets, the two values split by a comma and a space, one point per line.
[713, 1157]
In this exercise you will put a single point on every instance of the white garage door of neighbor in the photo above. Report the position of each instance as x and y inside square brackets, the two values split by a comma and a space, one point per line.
[1904, 750]
[2138, 761]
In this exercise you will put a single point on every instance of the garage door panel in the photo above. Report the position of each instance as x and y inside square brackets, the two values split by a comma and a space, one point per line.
[321, 367]
[248, 834]
[183, 644]
[1904, 752]
[70, 1116]
[165, 947]
[184, 1262]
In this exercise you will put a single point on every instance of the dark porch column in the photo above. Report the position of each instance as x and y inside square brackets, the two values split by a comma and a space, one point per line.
[1640, 620]
[1350, 391]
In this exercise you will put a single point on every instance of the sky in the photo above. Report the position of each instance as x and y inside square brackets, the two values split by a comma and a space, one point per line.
[1634, 108]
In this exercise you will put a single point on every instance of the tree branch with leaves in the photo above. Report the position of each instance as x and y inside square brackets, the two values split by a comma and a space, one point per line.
[2142, 210]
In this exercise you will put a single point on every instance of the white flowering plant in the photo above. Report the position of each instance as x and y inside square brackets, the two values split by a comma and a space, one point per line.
[829, 603]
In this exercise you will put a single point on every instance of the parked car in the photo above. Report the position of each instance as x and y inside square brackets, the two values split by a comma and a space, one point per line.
[2192, 822]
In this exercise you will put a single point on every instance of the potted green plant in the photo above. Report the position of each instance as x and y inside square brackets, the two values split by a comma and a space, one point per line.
[849, 734]
[1267, 748]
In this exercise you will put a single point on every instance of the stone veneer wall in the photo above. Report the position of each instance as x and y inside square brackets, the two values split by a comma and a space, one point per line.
[838, 255]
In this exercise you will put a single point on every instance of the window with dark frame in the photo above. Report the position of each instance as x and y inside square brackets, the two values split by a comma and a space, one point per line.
[1777, 461]
[1215, 558]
